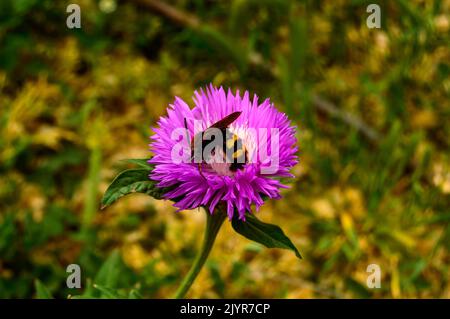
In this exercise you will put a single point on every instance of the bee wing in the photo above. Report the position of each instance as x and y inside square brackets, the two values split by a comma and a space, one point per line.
[227, 120]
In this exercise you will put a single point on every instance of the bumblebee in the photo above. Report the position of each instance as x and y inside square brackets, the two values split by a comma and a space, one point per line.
[234, 151]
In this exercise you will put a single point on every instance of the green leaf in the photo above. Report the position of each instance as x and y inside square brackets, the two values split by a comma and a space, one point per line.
[89, 293]
[131, 181]
[134, 294]
[271, 236]
[109, 273]
[110, 278]
[107, 292]
[41, 291]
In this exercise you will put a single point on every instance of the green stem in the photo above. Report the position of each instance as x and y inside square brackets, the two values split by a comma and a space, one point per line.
[213, 224]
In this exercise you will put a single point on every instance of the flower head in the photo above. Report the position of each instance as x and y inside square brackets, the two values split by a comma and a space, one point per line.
[266, 137]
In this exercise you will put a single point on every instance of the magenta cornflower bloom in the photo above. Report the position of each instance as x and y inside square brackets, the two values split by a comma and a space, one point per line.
[267, 138]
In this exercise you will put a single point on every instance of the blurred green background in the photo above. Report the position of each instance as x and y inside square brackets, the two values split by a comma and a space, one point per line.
[372, 109]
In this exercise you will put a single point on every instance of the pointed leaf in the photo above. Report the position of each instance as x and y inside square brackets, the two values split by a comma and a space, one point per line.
[107, 292]
[134, 294]
[271, 236]
[41, 291]
[109, 272]
[131, 181]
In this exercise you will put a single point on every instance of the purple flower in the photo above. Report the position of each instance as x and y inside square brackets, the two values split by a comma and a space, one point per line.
[265, 133]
